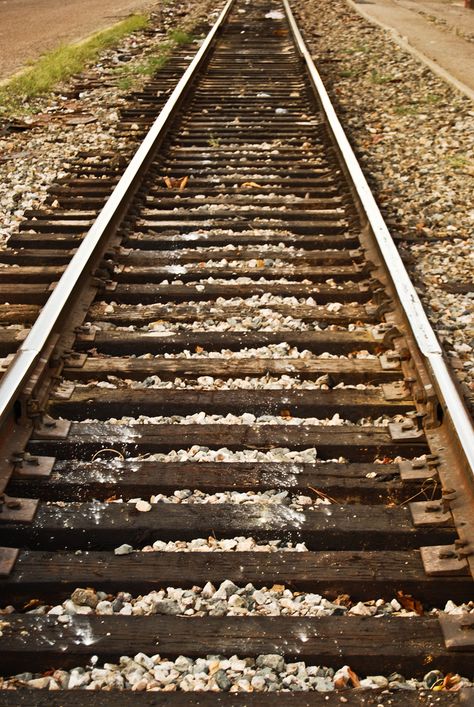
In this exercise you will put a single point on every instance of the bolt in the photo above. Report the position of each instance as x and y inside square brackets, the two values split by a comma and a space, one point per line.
[407, 425]
[445, 505]
[446, 554]
[448, 492]
[462, 554]
[30, 459]
[432, 507]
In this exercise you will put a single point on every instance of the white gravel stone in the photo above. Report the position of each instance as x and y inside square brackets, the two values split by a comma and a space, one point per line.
[267, 382]
[230, 599]
[235, 674]
[202, 418]
[123, 549]
[142, 506]
[413, 135]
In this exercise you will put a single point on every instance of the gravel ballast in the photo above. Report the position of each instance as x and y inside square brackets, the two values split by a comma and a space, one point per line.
[412, 133]
[266, 673]
[34, 159]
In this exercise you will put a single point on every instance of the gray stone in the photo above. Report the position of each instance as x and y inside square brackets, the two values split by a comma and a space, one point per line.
[167, 607]
[222, 680]
[271, 660]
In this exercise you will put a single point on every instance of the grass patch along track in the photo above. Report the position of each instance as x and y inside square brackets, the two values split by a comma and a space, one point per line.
[62, 63]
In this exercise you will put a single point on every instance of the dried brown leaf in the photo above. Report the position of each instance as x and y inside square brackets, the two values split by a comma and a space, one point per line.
[176, 182]
[409, 603]
[452, 682]
[343, 600]
[31, 604]
[353, 678]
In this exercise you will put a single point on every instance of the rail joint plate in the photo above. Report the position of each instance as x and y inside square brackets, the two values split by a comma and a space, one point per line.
[390, 361]
[17, 510]
[458, 631]
[418, 470]
[429, 513]
[395, 391]
[34, 468]
[8, 557]
[75, 360]
[405, 430]
[52, 429]
[443, 561]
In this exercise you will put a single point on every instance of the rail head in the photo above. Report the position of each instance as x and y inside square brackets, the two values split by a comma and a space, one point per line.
[418, 322]
[82, 263]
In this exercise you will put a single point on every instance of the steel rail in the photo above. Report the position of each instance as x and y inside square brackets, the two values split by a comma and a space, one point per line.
[418, 321]
[29, 353]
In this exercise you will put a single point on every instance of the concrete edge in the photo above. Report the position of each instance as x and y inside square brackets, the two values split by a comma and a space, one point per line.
[416, 53]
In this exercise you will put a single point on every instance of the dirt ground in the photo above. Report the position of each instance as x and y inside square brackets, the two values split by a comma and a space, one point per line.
[29, 28]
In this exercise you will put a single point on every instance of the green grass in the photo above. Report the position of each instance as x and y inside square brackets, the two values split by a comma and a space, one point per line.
[179, 37]
[144, 68]
[348, 73]
[153, 63]
[432, 98]
[458, 161]
[357, 49]
[62, 63]
[409, 109]
[378, 78]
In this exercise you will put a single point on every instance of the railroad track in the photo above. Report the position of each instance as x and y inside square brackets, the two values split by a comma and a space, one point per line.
[232, 406]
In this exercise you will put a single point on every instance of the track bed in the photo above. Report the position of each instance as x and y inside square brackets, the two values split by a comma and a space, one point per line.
[236, 431]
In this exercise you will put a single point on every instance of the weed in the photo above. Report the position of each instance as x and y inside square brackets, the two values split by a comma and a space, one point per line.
[458, 161]
[153, 63]
[124, 83]
[179, 37]
[150, 66]
[409, 109]
[348, 73]
[432, 98]
[62, 63]
[357, 49]
[377, 78]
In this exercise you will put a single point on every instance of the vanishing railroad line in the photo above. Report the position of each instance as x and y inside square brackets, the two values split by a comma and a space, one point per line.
[231, 403]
